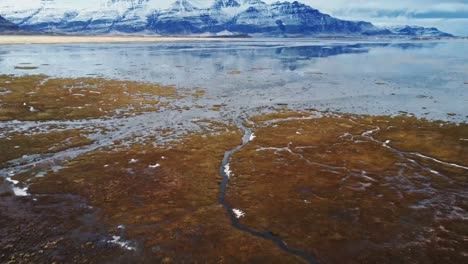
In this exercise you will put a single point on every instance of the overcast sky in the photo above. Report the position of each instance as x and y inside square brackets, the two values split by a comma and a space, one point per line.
[448, 15]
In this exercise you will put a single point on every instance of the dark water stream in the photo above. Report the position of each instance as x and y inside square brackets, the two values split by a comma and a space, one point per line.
[224, 172]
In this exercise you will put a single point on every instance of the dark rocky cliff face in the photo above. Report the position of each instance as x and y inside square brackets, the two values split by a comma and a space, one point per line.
[294, 18]
[6, 25]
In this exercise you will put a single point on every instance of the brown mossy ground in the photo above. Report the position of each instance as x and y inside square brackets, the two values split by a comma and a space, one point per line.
[332, 187]
[53, 229]
[165, 197]
[444, 141]
[281, 114]
[17, 144]
[234, 72]
[38, 97]
[26, 67]
[348, 189]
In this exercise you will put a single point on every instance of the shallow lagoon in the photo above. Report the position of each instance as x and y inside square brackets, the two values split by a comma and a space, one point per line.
[427, 79]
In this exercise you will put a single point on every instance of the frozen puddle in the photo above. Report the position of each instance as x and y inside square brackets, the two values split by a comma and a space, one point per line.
[154, 166]
[227, 170]
[238, 213]
[18, 191]
[117, 240]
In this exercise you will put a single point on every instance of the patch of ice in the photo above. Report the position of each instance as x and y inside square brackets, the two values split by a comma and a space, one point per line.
[9, 179]
[362, 187]
[364, 175]
[370, 132]
[20, 191]
[41, 174]
[238, 213]
[123, 244]
[439, 161]
[155, 166]
[227, 170]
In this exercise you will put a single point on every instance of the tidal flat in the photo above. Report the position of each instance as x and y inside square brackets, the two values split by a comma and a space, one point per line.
[234, 151]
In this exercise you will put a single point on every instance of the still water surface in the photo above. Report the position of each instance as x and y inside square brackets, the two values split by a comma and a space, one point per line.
[428, 79]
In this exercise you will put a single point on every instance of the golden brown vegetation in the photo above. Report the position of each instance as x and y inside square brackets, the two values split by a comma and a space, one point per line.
[38, 97]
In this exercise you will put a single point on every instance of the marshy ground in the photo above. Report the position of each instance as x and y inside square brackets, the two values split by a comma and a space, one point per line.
[90, 173]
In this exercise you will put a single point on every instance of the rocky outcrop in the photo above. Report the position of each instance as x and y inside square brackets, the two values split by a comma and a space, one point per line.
[6, 25]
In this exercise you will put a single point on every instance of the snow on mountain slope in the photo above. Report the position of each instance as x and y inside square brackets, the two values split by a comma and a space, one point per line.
[418, 31]
[18, 11]
[185, 17]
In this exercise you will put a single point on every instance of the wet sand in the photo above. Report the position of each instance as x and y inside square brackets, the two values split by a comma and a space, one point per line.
[9, 39]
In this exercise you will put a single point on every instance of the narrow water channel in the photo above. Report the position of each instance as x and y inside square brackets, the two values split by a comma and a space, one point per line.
[230, 210]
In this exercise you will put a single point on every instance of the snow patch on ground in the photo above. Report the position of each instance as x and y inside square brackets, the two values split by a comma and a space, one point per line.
[18, 191]
[21, 191]
[117, 240]
[252, 137]
[227, 170]
[238, 213]
[154, 166]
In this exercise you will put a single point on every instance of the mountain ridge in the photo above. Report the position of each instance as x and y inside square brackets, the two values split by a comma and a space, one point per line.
[189, 17]
[6, 25]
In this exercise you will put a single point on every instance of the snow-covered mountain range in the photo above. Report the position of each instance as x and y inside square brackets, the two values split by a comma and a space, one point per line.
[190, 17]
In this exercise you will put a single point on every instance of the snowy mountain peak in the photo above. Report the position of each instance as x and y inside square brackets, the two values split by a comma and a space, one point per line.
[253, 2]
[219, 4]
[186, 17]
[128, 3]
[293, 6]
[183, 6]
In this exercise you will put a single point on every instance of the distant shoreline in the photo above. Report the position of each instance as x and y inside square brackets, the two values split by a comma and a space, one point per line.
[82, 39]
[41, 39]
